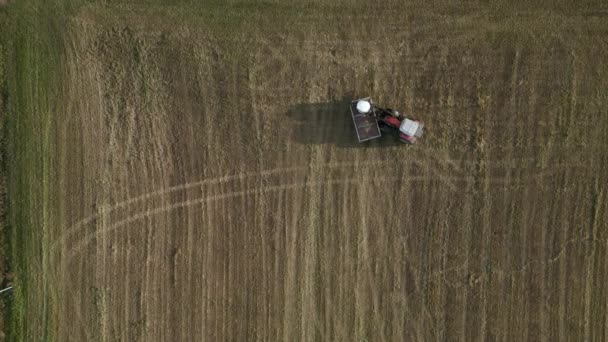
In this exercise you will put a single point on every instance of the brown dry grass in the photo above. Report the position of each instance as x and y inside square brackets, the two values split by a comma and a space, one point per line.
[211, 187]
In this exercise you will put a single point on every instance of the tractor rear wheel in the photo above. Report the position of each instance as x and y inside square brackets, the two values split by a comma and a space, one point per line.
[384, 127]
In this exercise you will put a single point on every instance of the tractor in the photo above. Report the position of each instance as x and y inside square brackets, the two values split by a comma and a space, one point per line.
[370, 120]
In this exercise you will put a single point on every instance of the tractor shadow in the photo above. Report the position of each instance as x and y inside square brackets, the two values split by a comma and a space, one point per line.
[330, 123]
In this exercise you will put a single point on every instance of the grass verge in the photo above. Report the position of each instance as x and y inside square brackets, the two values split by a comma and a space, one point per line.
[32, 42]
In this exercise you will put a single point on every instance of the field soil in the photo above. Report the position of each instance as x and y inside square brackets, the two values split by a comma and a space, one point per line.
[210, 186]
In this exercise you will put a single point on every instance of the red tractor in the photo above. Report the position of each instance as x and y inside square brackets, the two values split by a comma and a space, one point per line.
[370, 120]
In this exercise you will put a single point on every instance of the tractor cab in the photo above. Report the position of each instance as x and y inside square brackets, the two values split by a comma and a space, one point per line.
[410, 131]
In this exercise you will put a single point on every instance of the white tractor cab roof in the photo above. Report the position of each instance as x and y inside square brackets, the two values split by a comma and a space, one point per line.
[363, 106]
[409, 127]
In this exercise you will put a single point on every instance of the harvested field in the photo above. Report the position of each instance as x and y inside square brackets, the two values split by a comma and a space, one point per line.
[207, 183]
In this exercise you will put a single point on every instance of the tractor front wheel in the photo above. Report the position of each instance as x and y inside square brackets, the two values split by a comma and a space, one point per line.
[405, 139]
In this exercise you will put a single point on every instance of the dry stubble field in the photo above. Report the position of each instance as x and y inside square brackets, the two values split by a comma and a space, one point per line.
[210, 186]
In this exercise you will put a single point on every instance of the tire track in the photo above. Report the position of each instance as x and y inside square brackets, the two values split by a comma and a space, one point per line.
[253, 191]
[106, 210]
[289, 186]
